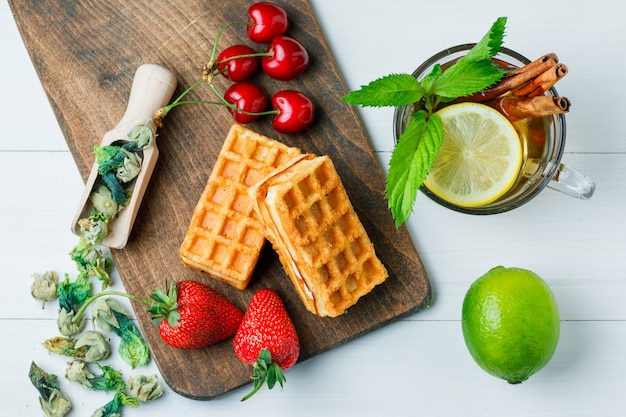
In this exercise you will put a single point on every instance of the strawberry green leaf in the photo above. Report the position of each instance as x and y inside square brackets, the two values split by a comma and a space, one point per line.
[411, 160]
[265, 371]
[164, 305]
[393, 90]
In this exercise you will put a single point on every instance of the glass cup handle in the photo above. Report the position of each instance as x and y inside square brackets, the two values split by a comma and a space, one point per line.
[572, 182]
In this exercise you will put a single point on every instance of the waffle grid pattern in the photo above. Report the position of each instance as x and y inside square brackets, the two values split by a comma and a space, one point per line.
[225, 236]
[335, 255]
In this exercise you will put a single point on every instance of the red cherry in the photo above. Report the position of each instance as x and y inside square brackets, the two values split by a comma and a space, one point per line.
[237, 69]
[286, 59]
[248, 97]
[296, 111]
[267, 21]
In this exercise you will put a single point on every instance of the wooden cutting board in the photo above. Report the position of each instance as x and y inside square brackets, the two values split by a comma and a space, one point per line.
[86, 54]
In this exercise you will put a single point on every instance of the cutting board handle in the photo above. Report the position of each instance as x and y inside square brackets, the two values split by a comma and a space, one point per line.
[153, 87]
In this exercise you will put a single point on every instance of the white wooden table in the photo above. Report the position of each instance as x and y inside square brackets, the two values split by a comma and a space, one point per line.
[418, 366]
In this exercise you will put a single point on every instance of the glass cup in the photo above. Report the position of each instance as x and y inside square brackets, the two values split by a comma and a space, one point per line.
[538, 170]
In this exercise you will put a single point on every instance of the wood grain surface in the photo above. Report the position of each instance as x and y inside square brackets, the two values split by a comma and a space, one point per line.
[86, 54]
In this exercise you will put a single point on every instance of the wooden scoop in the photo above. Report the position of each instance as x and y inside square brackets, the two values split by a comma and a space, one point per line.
[153, 87]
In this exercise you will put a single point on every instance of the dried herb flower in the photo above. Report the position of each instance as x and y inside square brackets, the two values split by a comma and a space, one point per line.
[71, 296]
[113, 407]
[66, 323]
[54, 402]
[91, 257]
[89, 347]
[45, 287]
[130, 168]
[96, 344]
[145, 388]
[108, 380]
[111, 316]
[103, 202]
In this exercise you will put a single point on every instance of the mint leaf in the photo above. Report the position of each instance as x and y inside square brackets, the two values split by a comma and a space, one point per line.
[490, 44]
[411, 161]
[395, 90]
[467, 78]
[474, 71]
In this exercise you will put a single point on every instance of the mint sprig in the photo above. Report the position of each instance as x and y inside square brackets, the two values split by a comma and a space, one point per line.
[418, 146]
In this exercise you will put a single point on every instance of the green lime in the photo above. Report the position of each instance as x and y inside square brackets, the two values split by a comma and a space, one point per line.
[510, 323]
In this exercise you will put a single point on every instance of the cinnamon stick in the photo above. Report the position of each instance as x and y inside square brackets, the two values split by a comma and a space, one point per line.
[532, 66]
[542, 83]
[517, 108]
[515, 78]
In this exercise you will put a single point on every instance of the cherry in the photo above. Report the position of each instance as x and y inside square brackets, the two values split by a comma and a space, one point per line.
[237, 62]
[247, 97]
[267, 21]
[296, 111]
[286, 59]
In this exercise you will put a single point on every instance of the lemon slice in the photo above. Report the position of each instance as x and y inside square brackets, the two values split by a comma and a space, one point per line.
[480, 157]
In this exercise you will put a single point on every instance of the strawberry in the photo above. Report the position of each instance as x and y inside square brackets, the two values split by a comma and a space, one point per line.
[267, 340]
[192, 315]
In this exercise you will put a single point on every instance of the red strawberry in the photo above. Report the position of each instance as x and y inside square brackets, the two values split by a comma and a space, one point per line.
[267, 339]
[192, 315]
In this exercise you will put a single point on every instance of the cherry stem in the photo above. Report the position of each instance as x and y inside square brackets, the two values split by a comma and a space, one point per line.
[235, 108]
[177, 102]
[254, 55]
[208, 78]
[217, 39]
[87, 302]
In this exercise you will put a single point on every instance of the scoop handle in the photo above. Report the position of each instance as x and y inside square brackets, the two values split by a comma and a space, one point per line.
[152, 88]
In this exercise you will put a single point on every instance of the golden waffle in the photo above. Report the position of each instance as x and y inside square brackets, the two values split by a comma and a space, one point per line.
[318, 236]
[225, 235]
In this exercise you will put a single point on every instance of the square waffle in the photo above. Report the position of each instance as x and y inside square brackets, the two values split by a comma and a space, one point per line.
[319, 238]
[225, 235]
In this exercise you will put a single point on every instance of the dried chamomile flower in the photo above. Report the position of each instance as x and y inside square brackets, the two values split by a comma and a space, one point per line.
[45, 287]
[145, 388]
[54, 402]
